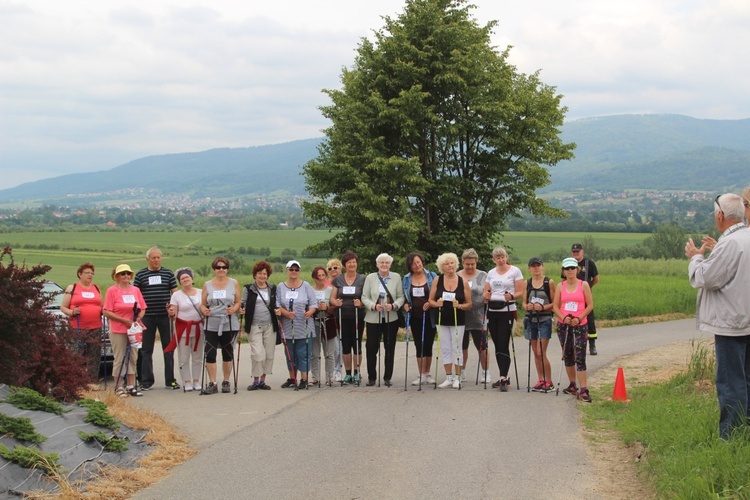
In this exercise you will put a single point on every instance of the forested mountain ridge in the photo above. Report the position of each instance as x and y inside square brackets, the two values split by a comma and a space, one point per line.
[613, 153]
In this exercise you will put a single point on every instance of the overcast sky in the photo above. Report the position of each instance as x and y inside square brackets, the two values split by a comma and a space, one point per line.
[89, 85]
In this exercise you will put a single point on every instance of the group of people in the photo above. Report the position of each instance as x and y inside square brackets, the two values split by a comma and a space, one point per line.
[329, 320]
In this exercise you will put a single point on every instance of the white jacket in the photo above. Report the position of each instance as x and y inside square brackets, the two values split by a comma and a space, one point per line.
[723, 283]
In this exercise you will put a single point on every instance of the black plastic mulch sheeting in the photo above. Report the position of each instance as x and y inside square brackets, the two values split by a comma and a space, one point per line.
[80, 461]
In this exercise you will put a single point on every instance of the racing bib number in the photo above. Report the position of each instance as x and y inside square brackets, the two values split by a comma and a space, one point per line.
[154, 280]
[571, 307]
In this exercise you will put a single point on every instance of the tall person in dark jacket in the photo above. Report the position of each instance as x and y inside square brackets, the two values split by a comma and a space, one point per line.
[587, 272]
[156, 284]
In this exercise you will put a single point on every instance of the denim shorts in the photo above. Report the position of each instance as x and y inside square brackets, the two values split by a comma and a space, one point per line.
[534, 331]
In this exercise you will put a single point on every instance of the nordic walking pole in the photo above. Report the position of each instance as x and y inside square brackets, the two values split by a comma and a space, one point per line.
[203, 368]
[406, 369]
[562, 360]
[338, 332]
[357, 347]
[437, 337]
[239, 347]
[381, 336]
[486, 352]
[286, 347]
[458, 346]
[515, 363]
[528, 377]
[320, 357]
[421, 358]
[103, 344]
[542, 356]
[307, 355]
[294, 350]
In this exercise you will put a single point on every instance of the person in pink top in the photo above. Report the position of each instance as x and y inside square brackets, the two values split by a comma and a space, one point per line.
[123, 306]
[82, 303]
[571, 305]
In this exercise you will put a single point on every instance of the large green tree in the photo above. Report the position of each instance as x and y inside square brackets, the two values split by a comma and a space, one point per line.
[436, 140]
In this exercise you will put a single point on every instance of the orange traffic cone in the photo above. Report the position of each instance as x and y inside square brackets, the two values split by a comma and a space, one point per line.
[620, 393]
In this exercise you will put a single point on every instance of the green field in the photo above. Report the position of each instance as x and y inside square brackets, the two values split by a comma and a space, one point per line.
[629, 288]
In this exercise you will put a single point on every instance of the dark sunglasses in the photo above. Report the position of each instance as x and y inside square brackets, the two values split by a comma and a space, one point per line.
[569, 268]
[294, 269]
[124, 273]
[716, 200]
[333, 268]
[221, 267]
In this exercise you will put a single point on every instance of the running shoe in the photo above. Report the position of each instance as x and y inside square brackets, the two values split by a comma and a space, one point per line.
[370, 383]
[504, 385]
[387, 383]
[212, 388]
[197, 386]
[357, 378]
[583, 395]
[496, 385]
[174, 386]
[302, 385]
[463, 376]
[263, 386]
[146, 387]
[430, 379]
[289, 383]
[487, 376]
[347, 379]
[188, 388]
[254, 386]
[456, 383]
[549, 386]
[418, 380]
[571, 389]
[225, 389]
[337, 375]
[448, 382]
[539, 387]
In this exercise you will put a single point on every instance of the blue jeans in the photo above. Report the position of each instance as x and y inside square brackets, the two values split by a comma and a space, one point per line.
[537, 328]
[732, 382]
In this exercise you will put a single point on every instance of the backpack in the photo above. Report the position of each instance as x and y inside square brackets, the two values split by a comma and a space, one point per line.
[545, 286]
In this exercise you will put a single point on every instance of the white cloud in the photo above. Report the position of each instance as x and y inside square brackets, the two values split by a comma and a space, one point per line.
[87, 85]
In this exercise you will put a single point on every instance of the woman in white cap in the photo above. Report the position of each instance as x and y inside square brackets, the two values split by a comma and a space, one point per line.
[123, 306]
[296, 303]
[572, 305]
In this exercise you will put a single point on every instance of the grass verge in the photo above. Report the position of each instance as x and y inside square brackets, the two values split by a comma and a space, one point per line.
[675, 423]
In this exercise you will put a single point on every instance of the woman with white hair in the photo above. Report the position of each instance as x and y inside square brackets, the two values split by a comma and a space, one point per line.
[503, 287]
[452, 297]
[184, 309]
[382, 297]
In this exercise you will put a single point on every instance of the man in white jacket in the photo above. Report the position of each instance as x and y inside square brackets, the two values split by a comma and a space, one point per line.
[723, 307]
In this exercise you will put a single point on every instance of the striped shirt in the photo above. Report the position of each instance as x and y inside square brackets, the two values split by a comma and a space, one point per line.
[156, 288]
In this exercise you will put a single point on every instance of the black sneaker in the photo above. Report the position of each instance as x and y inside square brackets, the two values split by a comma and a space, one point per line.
[583, 395]
[146, 387]
[289, 383]
[302, 385]
[504, 385]
[225, 389]
[571, 389]
[211, 389]
[174, 386]
[263, 386]
[253, 387]
[496, 384]
[387, 383]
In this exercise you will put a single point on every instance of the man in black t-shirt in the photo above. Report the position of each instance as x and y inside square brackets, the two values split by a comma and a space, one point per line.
[156, 284]
[587, 271]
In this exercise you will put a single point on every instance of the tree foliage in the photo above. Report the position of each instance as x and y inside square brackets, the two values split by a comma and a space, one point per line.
[436, 140]
[36, 352]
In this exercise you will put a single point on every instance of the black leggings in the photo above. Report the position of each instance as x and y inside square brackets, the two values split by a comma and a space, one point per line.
[350, 338]
[423, 350]
[500, 325]
[479, 339]
[389, 331]
[226, 341]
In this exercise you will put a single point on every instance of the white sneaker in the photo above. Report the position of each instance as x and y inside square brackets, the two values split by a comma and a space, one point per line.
[448, 382]
[419, 380]
[337, 375]
[197, 386]
[187, 387]
[430, 380]
[456, 383]
[463, 376]
[487, 377]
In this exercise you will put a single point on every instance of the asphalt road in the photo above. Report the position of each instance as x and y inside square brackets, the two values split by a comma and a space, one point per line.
[389, 443]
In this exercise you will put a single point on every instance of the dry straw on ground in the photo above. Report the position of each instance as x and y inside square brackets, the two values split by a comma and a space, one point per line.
[169, 449]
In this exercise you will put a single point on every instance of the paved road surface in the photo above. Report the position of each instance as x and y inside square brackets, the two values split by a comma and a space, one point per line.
[386, 443]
